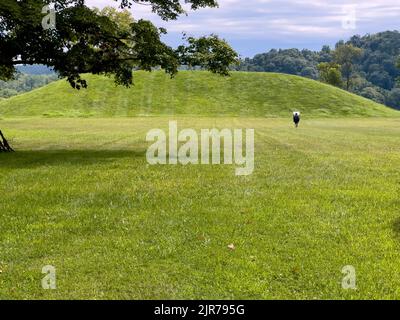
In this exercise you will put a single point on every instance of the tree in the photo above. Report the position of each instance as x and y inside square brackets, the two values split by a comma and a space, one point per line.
[309, 72]
[325, 55]
[329, 72]
[398, 66]
[393, 98]
[381, 79]
[346, 55]
[24, 83]
[211, 53]
[4, 146]
[73, 39]
[85, 40]
[291, 61]
[373, 94]
[123, 18]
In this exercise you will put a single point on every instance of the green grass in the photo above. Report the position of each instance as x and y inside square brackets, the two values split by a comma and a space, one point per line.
[79, 195]
[194, 93]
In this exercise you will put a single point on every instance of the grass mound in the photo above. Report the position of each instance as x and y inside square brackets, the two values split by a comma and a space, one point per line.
[194, 93]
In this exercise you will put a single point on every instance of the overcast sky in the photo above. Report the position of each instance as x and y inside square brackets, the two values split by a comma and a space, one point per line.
[255, 26]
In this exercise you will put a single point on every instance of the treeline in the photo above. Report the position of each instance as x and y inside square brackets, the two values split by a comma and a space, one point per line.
[24, 83]
[373, 73]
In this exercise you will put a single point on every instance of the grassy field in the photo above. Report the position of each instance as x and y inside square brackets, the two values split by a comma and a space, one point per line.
[78, 194]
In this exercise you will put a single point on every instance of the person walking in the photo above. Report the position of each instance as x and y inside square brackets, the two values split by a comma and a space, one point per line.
[296, 118]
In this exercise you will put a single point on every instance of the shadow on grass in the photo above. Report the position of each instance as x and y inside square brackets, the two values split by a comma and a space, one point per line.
[396, 228]
[39, 158]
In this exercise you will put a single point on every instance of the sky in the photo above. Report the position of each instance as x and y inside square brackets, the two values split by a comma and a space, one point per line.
[256, 26]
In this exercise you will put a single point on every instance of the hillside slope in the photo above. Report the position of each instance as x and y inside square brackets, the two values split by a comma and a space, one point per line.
[195, 93]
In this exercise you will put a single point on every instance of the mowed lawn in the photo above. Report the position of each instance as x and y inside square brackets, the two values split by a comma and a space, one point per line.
[78, 195]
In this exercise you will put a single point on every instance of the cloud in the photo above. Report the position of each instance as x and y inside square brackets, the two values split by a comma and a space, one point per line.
[280, 23]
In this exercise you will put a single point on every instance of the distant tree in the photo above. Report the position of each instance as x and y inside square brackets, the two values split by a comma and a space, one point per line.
[6, 93]
[309, 72]
[24, 83]
[329, 72]
[393, 98]
[325, 55]
[123, 18]
[373, 94]
[290, 61]
[381, 79]
[346, 55]
[398, 66]
[210, 53]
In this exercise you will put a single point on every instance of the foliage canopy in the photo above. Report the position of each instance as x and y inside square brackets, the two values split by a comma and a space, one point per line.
[86, 40]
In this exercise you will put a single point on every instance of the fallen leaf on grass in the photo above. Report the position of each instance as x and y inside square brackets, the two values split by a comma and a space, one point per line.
[231, 246]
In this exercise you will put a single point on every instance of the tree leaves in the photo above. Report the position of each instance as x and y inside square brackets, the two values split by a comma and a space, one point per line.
[210, 53]
[170, 9]
[90, 41]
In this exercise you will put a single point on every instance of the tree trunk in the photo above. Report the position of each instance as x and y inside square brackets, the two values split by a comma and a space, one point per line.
[4, 146]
